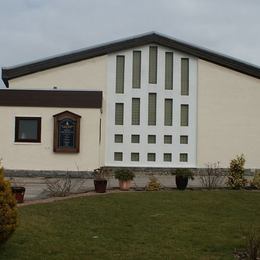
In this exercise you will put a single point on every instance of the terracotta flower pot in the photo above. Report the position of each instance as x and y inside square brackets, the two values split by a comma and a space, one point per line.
[124, 185]
[100, 186]
[18, 193]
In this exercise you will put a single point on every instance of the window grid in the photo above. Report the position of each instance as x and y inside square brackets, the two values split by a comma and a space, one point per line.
[184, 115]
[135, 139]
[168, 112]
[152, 109]
[120, 71]
[118, 156]
[184, 76]
[136, 78]
[153, 65]
[168, 70]
[151, 139]
[151, 157]
[135, 111]
[167, 157]
[134, 157]
[183, 157]
[184, 139]
[119, 114]
[168, 139]
[118, 138]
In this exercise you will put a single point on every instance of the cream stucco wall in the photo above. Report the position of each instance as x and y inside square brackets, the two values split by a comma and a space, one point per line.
[40, 156]
[228, 116]
[89, 74]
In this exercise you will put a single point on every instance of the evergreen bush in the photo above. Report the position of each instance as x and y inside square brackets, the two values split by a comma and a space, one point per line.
[8, 210]
[236, 179]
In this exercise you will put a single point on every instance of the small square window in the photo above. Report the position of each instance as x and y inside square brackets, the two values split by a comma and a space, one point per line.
[151, 139]
[183, 139]
[135, 139]
[167, 157]
[118, 138]
[118, 156]
[151, 157]
[168, 139]
[28, 129]
[183, 157]
[135, 157]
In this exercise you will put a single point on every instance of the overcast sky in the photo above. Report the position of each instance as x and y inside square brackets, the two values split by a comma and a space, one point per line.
[33, 29]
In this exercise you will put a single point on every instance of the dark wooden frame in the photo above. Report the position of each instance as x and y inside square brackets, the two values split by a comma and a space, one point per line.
[17, 127]
[57, 119]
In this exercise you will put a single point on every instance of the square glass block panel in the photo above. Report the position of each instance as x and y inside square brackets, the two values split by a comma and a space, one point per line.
[183, 139]
[118, 156]
[167, 157]
[183, 157]
[27, 129]
[151, 139]
[134, 157]
[151, 157]
[168, 139]
[118, 138]
[135, 139]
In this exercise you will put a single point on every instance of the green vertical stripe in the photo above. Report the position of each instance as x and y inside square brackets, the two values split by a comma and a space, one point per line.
[185, 76]
[119, 114]
[153, 65]
[136, 111]
[120, 69]
[184, 115]
[136, 69]
[152, 109]
[168, 70]
[168, 112]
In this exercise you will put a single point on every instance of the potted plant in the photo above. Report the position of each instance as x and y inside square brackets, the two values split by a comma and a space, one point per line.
[100, 181]
[18, 192]
[124, 176]
[182, 176]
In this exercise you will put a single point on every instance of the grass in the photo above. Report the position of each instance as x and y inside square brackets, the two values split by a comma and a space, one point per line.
[140, 225]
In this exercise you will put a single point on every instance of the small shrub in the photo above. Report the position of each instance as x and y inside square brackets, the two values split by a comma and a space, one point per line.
[8, 210]
[124, 175]
[153, 184]
[102, 173]
[213, 177]
[236, 179]
[185, 172]
[256, 181]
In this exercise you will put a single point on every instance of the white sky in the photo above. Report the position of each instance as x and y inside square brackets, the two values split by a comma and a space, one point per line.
[34, 29]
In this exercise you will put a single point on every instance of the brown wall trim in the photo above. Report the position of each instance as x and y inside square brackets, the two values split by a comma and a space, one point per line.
[133, 42]
[51, 98]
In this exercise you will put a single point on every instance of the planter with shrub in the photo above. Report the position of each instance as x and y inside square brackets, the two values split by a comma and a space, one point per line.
[100, 180]
[124, 177]
[18, 192]
[182, 176]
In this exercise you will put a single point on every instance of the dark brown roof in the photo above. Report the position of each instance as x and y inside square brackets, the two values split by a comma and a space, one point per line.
[50, 98]
[150, 38]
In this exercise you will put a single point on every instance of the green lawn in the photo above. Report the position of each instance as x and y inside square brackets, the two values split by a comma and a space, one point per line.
[140, 225]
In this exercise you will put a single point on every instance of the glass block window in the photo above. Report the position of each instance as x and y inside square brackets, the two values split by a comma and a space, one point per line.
[134, 157]
[168, 112]
[167, 157]
[168, 139]
[168, 70]
[184, 115]
[135, 139]
[135, 111]
[119, 114]
[118, 138]
[136, 80]
[28, 129]
[120, 71]
[184, 76]
[153, 65]
[152, 109]
[151, 139]
[183, 139]
[118, 156]
[151, 157]
[183, 157]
